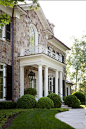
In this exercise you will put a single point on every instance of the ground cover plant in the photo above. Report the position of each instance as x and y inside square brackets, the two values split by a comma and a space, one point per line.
[35, 119]
[56, 99]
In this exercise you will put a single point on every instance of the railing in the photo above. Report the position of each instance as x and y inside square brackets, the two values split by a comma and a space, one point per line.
[40, 49]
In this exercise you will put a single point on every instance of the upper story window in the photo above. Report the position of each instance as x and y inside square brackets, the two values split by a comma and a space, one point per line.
[8, 32]
[33, 36]
[5, 32]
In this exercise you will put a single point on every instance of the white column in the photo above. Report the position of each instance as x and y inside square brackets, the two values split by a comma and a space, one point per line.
[56, 81]
[21, 81]
[46, 81]
[39, 81]
[61, 93]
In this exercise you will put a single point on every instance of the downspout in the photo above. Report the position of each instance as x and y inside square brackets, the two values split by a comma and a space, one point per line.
[12, 48]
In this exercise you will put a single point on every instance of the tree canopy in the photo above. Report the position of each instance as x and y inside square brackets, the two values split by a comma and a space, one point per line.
[4, 18]
[76, 62]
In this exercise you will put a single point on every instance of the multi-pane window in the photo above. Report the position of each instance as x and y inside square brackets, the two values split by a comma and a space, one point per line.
[1, 81]
[32, 83]
[32, 36]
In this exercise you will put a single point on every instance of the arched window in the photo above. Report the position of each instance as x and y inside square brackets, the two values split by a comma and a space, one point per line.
[33, 36]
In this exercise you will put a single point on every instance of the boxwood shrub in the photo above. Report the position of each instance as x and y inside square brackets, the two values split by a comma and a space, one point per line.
[72, 101]
[31, 91]
[56, 99]
[45, 102]
[80, 96]
[7, 105]
[26, 101]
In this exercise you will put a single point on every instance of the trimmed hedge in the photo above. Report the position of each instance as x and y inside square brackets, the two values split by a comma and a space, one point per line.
[7, 105]
[56, 99]
[72, 101]
[26, 101]
[31, 91]
[45, 102]
[80, 96]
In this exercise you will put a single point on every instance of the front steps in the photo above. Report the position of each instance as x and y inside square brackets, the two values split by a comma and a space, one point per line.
[65, 106]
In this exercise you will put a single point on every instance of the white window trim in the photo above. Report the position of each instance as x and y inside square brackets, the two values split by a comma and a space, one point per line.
[4, 80]
[3, 34]
[36, 34]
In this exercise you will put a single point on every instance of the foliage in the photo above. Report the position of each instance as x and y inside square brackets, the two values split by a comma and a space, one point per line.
[4, 18]
[26, 101]
[76, 61]
[80, 96]
[31, 91]
[72, 101]
[7, 105]
[82, 86]
[56, 99]
[64, 97]
[45, 102]
[41, 119]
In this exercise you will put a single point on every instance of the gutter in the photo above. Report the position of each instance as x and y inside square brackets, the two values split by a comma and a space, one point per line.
[12, 49]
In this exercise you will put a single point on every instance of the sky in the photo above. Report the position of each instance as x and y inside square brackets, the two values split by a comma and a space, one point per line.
[69, 18]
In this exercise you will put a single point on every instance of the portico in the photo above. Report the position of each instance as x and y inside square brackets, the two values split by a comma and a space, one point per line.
[43, 63]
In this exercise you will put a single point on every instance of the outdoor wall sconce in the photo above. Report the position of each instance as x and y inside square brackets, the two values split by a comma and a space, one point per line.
[31, 75]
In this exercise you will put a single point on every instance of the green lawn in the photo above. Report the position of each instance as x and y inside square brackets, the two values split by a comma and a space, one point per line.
[39, 119]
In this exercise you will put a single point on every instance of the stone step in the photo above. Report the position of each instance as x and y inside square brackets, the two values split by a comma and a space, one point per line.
[65, 106]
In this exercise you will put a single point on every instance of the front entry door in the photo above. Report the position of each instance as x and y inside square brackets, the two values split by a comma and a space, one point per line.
[50, 85]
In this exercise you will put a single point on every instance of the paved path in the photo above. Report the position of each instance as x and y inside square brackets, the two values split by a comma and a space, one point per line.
[74, 117]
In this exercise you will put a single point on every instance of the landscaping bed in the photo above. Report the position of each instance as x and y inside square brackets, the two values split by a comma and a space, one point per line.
[32, 119]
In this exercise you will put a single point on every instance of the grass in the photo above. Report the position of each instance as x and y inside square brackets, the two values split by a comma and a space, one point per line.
[38, 119]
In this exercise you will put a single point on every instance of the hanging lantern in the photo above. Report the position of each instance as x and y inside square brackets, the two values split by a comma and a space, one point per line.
[31, 75]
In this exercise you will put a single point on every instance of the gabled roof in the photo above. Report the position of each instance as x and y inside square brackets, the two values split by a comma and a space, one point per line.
[40, 14]
[69, 82]
[45, 24]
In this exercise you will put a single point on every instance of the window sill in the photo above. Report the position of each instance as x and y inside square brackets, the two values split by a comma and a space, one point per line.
[1, 39]
[1, 100]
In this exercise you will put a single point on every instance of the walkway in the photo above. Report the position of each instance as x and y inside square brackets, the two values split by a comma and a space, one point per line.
[74, 117]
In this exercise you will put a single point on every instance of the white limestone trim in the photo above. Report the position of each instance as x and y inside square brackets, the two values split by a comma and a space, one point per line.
[8, 11]
[40, 58]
